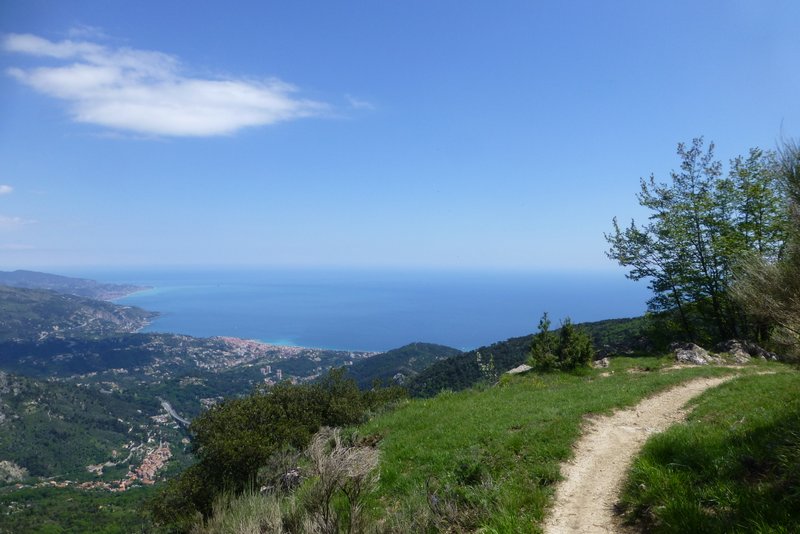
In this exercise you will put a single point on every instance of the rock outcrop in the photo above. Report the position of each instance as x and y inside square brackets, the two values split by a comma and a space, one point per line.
[692, 354]
[732, 351]
[524, 368]
[744, 350]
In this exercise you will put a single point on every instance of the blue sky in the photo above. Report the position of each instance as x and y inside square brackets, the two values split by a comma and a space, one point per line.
[414, 134]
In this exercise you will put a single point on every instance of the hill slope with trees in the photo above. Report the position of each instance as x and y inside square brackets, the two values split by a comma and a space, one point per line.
[37, 314]
[406, 361]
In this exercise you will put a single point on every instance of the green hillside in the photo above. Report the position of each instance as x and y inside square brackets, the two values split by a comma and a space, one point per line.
[80, 287]
[488, 459]
[408, 361]
[613, 336]
[36, 314]
[57, 430]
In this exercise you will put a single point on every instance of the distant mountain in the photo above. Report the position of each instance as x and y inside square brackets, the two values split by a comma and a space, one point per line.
[403, 363]
[620, 336]
[64, 284]
[36, 314]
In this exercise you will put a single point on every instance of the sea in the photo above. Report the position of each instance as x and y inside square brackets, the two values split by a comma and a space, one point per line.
[371, 310]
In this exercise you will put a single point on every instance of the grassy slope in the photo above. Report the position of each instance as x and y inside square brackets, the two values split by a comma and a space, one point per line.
[495, 454]
[733, 467]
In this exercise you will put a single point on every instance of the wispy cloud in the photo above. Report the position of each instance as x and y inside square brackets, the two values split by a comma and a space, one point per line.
[15, 246]
[357, 103]
[5, 189]
[147, 92]
[8, 222]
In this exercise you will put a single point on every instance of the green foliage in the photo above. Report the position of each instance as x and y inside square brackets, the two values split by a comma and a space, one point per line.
[543, 348]
[733, 467]
[462, 371]
[700, 225]
[234, 439]
[408, 360]
[339, 476]
[770, 290]
[57, 429]
[58, 510]
[569, 349]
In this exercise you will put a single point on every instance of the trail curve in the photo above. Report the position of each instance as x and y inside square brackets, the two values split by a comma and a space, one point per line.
[585, 499]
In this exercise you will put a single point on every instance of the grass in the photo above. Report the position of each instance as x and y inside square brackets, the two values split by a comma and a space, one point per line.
[488, 460]
[734, 466]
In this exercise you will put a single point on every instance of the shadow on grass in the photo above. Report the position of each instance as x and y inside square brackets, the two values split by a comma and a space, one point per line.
[724, 471]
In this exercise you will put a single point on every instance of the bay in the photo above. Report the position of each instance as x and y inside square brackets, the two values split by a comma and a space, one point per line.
[374, 310]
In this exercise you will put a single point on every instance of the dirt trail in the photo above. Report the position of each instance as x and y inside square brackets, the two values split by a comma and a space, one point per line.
[592, 480]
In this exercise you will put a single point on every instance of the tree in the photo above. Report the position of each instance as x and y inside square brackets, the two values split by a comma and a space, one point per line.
[701, 224]
[567, 350]
[769, 288]
[543, 348]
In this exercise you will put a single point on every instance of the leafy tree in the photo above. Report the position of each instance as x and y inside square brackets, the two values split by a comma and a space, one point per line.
[770, 288]
[701, 224]
[567, 350]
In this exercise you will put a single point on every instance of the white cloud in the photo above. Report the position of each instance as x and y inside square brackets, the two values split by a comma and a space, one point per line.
[15, 246]
[8, 222]
[357, 103]
[5, 189]
[146, 92]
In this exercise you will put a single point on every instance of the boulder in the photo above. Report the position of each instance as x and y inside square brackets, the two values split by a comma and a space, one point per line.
[524, 368]
[736, 349]
[601, 363]
[692, 354]
[741, 349]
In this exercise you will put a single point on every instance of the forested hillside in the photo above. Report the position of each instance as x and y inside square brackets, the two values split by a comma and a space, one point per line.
[404, 363]
[37, 314]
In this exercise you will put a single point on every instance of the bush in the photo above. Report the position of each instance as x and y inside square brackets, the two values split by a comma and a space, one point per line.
[566, 350]
[339, 477]
[235, 439]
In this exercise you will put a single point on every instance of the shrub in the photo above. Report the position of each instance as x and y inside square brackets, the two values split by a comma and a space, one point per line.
[567, 350]
[339, 477]
[235, 439]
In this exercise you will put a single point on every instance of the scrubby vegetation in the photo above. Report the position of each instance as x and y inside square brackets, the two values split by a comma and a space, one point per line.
[235, 439]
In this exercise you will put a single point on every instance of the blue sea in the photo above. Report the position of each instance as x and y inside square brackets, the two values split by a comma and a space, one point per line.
[374, 310]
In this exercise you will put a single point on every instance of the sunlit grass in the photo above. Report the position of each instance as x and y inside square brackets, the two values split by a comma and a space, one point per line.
[733, 467]
[493, 455]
